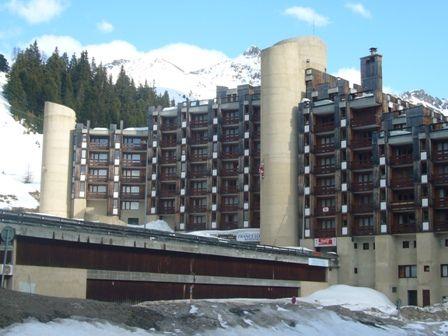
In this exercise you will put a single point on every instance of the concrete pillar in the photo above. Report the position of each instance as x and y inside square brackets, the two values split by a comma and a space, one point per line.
[347, 261]
[282, 87]
[386, 268]
[428, 267]
[55, 185]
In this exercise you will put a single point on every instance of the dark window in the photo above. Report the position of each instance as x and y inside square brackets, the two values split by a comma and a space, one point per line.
[355, 245]
[407, 271]
[356, 270]
[133, 221]
[365, 246]
[426, 268]
[415, 244]
[444, 271]
[405, 244]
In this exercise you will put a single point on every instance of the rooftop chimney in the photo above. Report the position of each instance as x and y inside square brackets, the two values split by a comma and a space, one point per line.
[373, 51]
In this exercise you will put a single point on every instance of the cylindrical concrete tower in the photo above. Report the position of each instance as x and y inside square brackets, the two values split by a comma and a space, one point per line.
[55, 182]
[282, 87]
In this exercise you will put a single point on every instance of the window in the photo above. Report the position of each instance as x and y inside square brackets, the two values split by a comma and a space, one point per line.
[99, 141]
[355, 270]
[131, 173]
[442, 146]
[365, 246]
[405, 244]
[444, 271]
[132, 141]
[327, 224]
[98, 172]
[366, 221]
[99, 157]
[131, 157]
[407, 271]
[355, 245]
[130, 205]
[426, 268]
[130, 189]
[230, 200]
[200, 219]
[97, 188]
[133, 221]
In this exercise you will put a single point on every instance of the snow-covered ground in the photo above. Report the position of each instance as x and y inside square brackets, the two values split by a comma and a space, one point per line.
[20, 153]
[250, 317]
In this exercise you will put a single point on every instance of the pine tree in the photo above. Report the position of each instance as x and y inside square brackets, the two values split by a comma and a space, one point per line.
[4, 67]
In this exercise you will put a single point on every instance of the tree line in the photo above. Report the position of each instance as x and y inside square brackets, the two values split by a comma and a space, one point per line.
[78, 83]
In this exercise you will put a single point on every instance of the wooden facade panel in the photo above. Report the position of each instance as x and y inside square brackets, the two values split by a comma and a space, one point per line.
[132, 291]
[57, 253]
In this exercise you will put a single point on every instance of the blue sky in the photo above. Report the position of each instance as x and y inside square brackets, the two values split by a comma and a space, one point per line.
[411, 35]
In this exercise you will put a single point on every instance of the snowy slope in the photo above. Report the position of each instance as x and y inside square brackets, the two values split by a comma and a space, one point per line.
[421, 97]
[20, 153]
[191, 71]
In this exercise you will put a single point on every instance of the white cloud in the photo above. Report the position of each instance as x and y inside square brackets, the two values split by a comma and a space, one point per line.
[307, 15]
[37, 11]
[105, 27]
[351, 74]
[359, 9]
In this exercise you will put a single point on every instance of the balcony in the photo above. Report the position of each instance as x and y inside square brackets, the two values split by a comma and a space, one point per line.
[325, 211]
[228, 225]
[168, 192]
[324, 232]
[363, 230]
[199, 173]
[197, 208]
[229, 207]
[229, 190]
[255, 187]
[324, 148]
[255, 151]
[198, 157]
[96, 195]
[168, 143]
[198, 191]
[402, 182]
[198, 123]
[93, 146]
[324, 127]
[167, 210]
[401, 159]
[256, 117]
[169, 126]
[403, 206]
[324, 190]
[132, 163]
[229, 172]
[196, 226]
[361, 186]
[97, 178]
[441, 202]
[199, 140]
[132, 179]
[440, 156]
[441, 225]
[324, 169]
[256, 135]
[361, 143]
[359, 121]
[362, 207]
[98, 163]
[142, 146]
[440, 178]
[230, 138]
[404, 228]
[361, 164]
[131, 196]
[168, 176]
[230, 120]
[168, 159]
[255, 205]
[230, 155]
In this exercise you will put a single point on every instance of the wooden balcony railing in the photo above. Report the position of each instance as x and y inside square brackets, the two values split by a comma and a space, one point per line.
[324, 169]
[402, 182]
[132, 163]
[228, 225]
[132, 179]
[139, 195]
[230, 155]
[202, 191]
[168, 176]
[198, 123]
[361, 164]
[197, 208]
[362, 121]
[168, 192]
[98, 146]
[361, 186]
[229, 207]
[362, 207]
[98, 163]
[402, 205]
[168, 143]
[229, 190]
[441, 202]
[324, 148]
[324, 127]
[97, 178]
[196, 226]
[325, 210]
[198, 141]
[96, 195]
[439, 156]
[168, 159]
[361, 143]
[363, 230]
[230, 138]
[169, 126]
[256, 117]
[132, 146]
[440, 225]
[167, 210]
[324, 190]
[199, 173]
[440, 178]
[401, 159]
[198, 157]
[324, 232]
[230, 120]
[404, 228]
[229, 172]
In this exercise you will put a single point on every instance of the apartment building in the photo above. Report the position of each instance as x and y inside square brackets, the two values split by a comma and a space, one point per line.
[195, 166]
[372, 184]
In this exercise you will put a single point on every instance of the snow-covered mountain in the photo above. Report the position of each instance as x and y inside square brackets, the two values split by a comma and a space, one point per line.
[418, 97]
[188, 70]
[20, 153]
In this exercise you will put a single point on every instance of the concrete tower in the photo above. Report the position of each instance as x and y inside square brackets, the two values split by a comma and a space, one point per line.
[59, 121]
[282, 87]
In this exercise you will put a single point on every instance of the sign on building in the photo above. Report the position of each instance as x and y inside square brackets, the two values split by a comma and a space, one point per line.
[324, 242]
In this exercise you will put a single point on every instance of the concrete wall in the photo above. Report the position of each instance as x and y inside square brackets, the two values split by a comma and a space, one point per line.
[282, 87]
[309, 287]
[59, 121]
[51, 281]
[97, 211]
[140, 214]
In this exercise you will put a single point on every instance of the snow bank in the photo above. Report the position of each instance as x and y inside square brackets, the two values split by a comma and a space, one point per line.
[159, 225]
[353, 298]
[20, 153]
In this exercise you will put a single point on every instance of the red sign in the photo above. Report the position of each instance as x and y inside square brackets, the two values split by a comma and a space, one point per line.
[261, 170]
[323, 242]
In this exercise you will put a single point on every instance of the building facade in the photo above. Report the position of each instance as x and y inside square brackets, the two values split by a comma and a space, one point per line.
[195, 166]
[372, 185]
